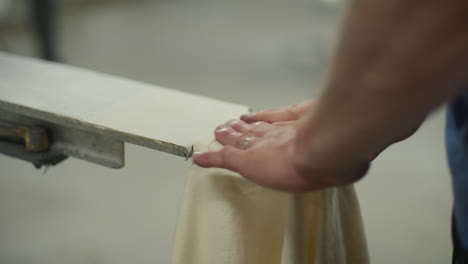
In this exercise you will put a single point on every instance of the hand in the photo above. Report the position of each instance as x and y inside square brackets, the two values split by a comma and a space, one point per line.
[270, 155]
[261, 152]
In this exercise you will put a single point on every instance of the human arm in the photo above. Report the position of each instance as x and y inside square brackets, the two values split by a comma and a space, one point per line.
[394, 63]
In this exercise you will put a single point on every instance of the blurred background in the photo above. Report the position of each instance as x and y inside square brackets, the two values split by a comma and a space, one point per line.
[260, 53]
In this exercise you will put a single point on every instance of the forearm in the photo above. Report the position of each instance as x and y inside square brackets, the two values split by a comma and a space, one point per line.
[395, 62]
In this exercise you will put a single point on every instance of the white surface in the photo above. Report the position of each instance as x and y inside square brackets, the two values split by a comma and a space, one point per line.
[116, 103]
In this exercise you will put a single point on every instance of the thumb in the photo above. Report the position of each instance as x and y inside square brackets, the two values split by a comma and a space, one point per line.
[227, 158]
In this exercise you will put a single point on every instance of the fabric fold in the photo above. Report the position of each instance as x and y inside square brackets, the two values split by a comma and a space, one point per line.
[227, 219]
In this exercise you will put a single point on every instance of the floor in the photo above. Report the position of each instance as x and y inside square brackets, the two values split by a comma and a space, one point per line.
[257, 53]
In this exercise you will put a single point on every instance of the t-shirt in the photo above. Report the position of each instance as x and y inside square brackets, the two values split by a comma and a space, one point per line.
[456, 139]
[226, 219]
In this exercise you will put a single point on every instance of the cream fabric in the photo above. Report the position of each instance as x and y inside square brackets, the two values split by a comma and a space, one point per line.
[225, 219]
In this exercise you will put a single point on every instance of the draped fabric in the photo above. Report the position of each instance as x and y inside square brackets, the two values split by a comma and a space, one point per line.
[227, 219]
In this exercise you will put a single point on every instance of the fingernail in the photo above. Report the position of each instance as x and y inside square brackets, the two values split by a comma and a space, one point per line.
[222, 129]
[248, 116]
[232, 122]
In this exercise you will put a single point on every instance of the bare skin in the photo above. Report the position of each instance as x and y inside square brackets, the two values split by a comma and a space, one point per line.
[283, 114]
[395, 62]
[271, 136]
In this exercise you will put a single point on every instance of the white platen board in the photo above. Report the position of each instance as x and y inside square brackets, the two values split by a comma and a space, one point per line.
[112, 106]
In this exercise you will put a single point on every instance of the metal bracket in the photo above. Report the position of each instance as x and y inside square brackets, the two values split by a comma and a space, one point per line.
[34, 138]
[30, 143]
[38, 159]
[61, 141]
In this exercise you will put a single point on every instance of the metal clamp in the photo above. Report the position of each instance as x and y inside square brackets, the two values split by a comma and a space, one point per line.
[29, 143]
[34, 138]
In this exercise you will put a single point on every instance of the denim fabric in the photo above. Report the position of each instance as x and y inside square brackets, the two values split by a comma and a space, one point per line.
[457, 151]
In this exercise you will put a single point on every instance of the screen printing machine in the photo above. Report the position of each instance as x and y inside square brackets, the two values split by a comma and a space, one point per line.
[51, 111]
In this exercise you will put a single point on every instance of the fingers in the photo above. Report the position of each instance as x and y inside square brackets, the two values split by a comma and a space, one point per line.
[270, 116]
[227, 158]
[227, 136]
[283, 123]
[239, 126]
[289, 113]
[241, 135]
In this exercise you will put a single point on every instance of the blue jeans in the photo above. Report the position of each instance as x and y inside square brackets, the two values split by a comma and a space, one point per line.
[456, 139]
[460, 256]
